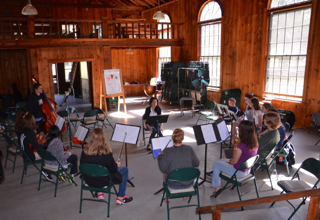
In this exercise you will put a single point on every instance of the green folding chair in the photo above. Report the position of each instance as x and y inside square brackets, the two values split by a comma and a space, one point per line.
[144, 132]
[95, 170]
[46, 155]
[208, 110]
[183, 174]
[267, 162]
[21, 105]
[89, 118]
[237, 182]
[74, 119]
[311, 165]
[12, 148]
[26, 162]
[102, 117]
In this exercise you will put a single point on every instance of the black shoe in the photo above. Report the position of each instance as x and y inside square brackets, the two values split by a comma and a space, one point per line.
[209, 173]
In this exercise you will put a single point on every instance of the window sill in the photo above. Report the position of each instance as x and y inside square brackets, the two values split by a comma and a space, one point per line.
[213, 89]
[282, 100]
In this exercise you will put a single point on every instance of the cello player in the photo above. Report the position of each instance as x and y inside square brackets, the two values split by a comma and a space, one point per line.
[35, 104]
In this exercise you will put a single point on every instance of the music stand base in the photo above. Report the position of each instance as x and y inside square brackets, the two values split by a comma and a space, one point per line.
[129, 181]
[159, 191]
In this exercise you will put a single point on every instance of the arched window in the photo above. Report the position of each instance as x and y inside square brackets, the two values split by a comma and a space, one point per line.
[287, 50]
[210, 39]
[164, 52]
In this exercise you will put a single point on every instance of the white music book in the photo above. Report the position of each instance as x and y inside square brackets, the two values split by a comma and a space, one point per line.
[208, 133]
[158, 144]
[81, 133]
[223, 130]
[132, 131]
[60, 122]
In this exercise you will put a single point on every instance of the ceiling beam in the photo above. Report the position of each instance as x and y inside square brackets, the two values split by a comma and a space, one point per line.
[36, 43]
[74, 5]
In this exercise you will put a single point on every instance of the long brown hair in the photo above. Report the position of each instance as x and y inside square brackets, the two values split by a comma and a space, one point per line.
[98, 144]
[20, 119]
[255, 104]
[29, 122]
[247, 134]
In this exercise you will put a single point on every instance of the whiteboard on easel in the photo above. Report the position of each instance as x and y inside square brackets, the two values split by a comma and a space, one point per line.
[112, 81]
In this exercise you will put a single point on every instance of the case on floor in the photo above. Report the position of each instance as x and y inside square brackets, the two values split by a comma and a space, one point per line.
[287, 116]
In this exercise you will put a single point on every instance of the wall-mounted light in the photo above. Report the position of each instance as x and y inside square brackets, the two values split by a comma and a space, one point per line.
[129, 51]
[158, 15]
[29, 9]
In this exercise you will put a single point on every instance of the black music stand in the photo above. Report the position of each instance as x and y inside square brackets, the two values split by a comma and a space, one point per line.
[220, 136]
[118, 135]
[156, 120]
[65, 102]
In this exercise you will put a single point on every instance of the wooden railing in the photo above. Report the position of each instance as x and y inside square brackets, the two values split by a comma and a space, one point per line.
[66, 28]
[313, 211]
[140, 29]
[13, 28]
[24, 28]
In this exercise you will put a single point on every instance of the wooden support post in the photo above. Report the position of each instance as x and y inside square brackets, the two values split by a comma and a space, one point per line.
[31, 28]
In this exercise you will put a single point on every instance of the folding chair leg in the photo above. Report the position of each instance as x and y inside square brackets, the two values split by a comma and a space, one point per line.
[269, 178]
[81, 199]
[255, 185]
[164, 191]
[24, 171]
[109, 203]
[55, 189]
[296, 209]
[317, 142]
[168, 209]
[275, 202]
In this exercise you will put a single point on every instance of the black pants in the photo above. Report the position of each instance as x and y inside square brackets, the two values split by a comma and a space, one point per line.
[73, 159]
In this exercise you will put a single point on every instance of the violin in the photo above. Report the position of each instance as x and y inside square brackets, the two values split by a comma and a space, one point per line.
[75, 140]
[41, 139]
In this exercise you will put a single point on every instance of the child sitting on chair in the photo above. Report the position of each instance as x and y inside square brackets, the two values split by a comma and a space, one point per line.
[232, 107]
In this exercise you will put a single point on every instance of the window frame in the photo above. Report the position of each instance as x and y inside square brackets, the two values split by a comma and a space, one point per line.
[270, 11]
[207, 22]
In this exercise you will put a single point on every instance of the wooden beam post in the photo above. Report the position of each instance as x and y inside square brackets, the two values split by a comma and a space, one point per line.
[104, 26]
[31, 28]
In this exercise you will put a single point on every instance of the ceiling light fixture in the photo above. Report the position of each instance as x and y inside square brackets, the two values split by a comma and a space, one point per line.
[129, 51]
[29, 9]
[158, 15]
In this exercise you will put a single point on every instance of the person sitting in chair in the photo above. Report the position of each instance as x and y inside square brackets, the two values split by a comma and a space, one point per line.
[271, 138]
[153, 110]
[247, 148]
[232, 107]
[55, 146]
[178, 156]
[99, 151]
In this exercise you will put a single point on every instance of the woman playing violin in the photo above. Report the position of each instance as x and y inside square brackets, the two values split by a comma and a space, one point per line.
[28, 137]
[55, 146]
[248, 147]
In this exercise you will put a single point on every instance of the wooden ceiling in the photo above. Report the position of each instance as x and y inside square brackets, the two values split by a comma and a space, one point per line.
[136, 5]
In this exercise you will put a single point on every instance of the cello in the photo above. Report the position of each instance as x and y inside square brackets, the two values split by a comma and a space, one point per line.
[49, 114]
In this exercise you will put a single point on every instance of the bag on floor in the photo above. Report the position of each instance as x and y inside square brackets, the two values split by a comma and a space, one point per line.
[291, 154]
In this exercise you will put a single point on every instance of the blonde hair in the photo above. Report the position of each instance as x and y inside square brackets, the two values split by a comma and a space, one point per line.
[177, 136]
[98, 144]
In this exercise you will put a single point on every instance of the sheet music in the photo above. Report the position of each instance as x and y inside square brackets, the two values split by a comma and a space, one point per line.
[81, 133]
[223, 130]
[208, 133]
[158, 144]
[132, 133]
[60, 122]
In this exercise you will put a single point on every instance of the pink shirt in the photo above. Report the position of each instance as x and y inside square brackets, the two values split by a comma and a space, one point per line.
[245, 155]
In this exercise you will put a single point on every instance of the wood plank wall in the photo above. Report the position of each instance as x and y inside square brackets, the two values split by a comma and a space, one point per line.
[244, 49]
[14, 69]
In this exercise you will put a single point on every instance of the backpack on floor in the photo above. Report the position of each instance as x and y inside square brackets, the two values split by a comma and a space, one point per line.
[291, 154]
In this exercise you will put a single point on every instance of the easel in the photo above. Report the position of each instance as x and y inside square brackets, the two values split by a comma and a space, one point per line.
[121, 131]
[108, 93]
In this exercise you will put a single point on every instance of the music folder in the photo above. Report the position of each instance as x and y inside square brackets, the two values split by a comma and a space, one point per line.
[158, 144]
[60, 122]
[81, 133]
[209, 133]
[132, 131]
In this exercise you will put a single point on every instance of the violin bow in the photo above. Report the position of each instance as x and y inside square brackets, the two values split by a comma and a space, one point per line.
[125, 135]
[166, 146]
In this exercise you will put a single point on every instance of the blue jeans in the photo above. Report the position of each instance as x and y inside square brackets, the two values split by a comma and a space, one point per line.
[154, 132]
[123, 185]
[222, 165]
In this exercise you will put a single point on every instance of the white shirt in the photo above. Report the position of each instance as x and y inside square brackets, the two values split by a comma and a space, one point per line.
[256, 115]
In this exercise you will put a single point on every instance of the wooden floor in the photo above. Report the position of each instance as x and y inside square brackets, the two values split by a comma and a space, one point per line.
[24, 201]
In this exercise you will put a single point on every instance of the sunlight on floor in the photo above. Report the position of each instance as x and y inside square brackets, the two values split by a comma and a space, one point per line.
[120, 115]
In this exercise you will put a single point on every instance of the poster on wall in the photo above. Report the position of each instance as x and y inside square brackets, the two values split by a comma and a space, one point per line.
[112, 81]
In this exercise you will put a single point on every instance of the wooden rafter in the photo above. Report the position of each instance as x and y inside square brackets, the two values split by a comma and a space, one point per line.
[151, 2]
[121, 5]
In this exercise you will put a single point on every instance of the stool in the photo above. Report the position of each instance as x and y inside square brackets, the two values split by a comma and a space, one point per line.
[182, 104]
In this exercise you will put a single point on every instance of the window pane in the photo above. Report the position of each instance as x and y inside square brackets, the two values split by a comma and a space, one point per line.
[279, 3]
[210, 11]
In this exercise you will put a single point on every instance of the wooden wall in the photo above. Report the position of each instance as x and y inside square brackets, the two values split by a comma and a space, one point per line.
[14, 69]
[244, 49]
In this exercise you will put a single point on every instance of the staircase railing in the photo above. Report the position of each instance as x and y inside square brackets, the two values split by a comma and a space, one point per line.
[313, 210]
